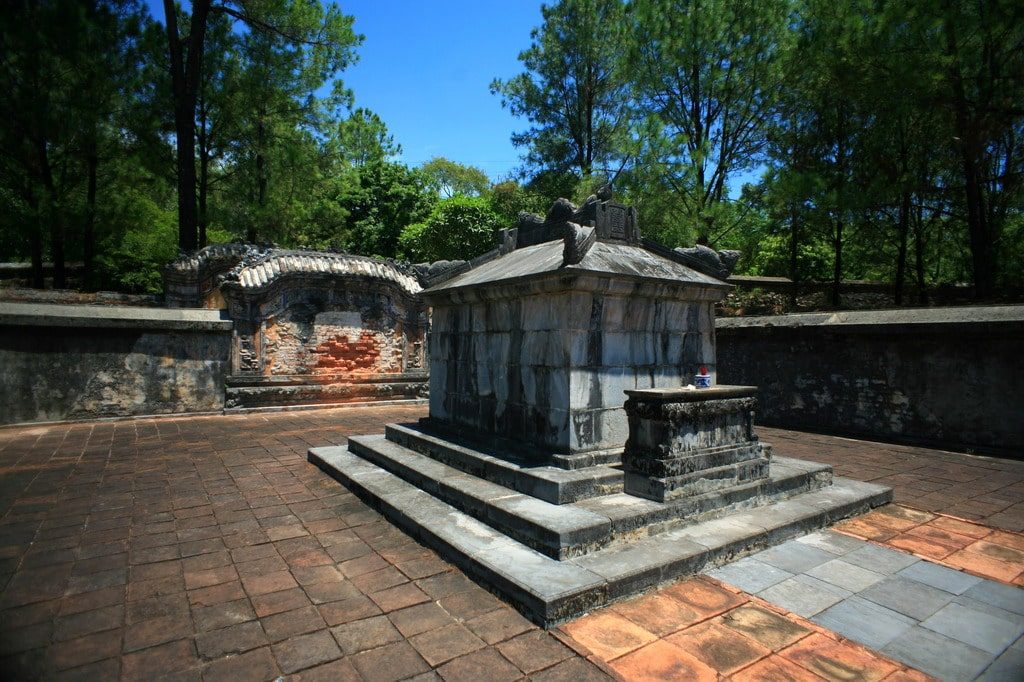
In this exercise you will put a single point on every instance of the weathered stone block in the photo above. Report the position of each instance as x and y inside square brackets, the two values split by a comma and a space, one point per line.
[686, 442]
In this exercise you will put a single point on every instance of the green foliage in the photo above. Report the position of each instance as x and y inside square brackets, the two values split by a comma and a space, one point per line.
[143, 239]
[459, 228]
[382, 200]
[449, 179]
[573, 90]
[508, 199]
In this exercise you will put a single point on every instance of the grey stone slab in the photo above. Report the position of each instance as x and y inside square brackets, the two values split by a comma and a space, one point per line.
[631, 568]
[880, 559]
[845, 575]
[864, 621]
[982, 630]
[935, 654]
[803, 595]
[1009, 667]
[909, 597]
[1004, 596]
[793, 556]
[832, 542]
[943, 578]
[989, 609]
[750, 575]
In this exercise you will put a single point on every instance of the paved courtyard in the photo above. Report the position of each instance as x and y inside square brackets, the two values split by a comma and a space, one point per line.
[208, 548]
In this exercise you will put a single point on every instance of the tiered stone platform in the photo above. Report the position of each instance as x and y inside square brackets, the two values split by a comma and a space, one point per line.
[559, 542]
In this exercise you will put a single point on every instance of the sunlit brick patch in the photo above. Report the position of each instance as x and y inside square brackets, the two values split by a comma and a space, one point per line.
[703, 629]
[965, 545]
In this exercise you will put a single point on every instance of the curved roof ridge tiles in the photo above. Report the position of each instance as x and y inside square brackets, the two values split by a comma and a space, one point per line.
[279, 262]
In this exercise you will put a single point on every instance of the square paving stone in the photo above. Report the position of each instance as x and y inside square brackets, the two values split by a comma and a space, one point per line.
[803, 595]
[989, 609]
[534, 651]
[306, 651]
[845, 575]
[864, 621]
[766, 627]
[484, 664]
[397, 661]
[982, 630]
[1009, 667]
[909, 597]
[719, 647]
[663, 661]
[937, 655]
[838, 660]
[793, 556]
[440, 646]
[943, 578]
[832, 542]
[750, 575]
[1005, 597]
[365, 634]
[880, 559]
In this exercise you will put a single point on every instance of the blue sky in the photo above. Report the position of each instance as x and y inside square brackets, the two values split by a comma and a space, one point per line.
[425, 68]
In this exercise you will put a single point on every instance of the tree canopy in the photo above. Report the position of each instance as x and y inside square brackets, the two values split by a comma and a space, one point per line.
[827, 141]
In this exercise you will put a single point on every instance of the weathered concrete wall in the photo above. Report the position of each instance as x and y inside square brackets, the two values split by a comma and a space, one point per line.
[60, 362]
[951, 377]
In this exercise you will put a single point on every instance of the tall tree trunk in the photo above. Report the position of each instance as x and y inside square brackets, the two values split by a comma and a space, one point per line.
[794, 252]
[89, 231]
[36, 240]
[969, 148]
[903, 228]
[922, 292]
[204, 170]
[185, 66]
[837, 263]
[53, 215]
[261, 181]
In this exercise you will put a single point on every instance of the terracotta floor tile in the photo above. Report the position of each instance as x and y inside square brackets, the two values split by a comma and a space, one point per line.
[658, 613]
[838, 660]
[764, 626]
[914, 544]
[704, 597]
[946, 537]
[981, 564]
[1007, 539]
[967, 528]
[721, 648]
[897, 518]
[662, 661]
[992, 548]
[775, 669]
[863, 529]
[607, 634]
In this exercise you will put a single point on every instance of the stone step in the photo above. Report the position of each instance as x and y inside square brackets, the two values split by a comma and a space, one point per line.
[549, 483]
[550, 591]
[528, 455]
[556, 530]
[562, 531]
[697, 482]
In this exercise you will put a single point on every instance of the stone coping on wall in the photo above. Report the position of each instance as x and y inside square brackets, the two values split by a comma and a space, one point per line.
[976, 318]
[121, 317]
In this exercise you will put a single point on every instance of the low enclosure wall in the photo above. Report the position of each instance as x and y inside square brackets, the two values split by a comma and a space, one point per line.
[63, 362]
[951, 377]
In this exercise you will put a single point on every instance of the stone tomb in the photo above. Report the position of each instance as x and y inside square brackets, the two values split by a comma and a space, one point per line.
[518, 473]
